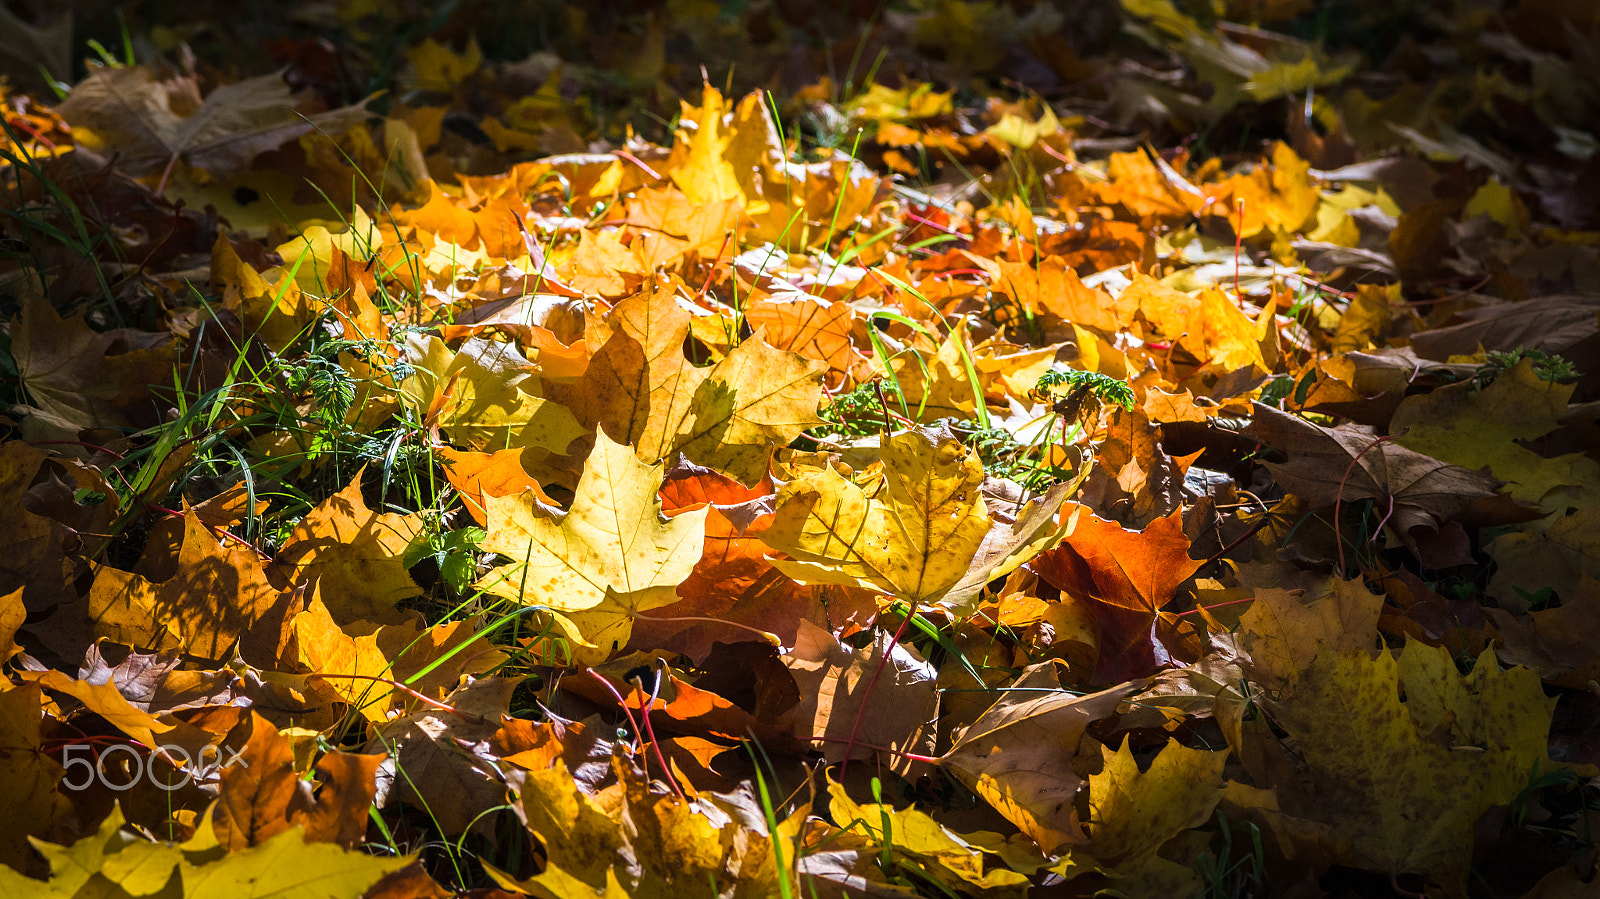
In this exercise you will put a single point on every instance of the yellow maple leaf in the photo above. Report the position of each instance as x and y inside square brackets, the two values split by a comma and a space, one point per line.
[483, 398]
[697, 164]
[923, 536]
[608, 558]
[1405, 781]
[643, 391]
[1484, 429]
[352, 558]
[218, 602]
[1132, 814]
[939, 851]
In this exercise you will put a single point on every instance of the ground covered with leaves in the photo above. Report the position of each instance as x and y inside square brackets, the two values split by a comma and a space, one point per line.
[780, 448]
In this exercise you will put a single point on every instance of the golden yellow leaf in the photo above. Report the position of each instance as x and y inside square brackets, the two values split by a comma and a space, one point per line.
[217, 603]
[608, 558]
[351, 558]
[482, 397]
[641, 390]
[924, 536]
[1406, 781]
[912, 833]
[1482, 429]
[28, 789]
[1282, 634]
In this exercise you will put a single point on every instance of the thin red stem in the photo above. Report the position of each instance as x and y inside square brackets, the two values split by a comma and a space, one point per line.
[637, 730]
[1338, 499]
[624, 154]
[645, 708]
[861, 713]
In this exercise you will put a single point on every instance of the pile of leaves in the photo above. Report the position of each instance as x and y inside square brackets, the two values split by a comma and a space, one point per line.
[976, 463]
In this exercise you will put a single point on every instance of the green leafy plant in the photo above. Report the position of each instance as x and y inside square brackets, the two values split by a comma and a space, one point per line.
[1546, 366]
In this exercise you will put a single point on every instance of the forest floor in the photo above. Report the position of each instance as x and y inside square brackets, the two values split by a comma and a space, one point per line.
[780, 448]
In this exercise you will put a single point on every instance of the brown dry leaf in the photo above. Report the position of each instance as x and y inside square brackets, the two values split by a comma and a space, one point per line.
[1327, 464]
[609, 558]
[440, 760]
[218, 603]
[1133, 481]
[263, 794]
[1562, 643]
[76, 378]
[351, 558]
[883, 695]
[140, 112]
[1019, 755]
[34, 570]
[1554, 324]
[924, 536]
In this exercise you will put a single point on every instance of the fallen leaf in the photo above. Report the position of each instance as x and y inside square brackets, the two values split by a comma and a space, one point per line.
[1557, 559]
[141, 114]
[352, 558]
[1019, 756]
[609, 558]
[1351, 464]
[1406, 781]
[881, 697]
[923, 536]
